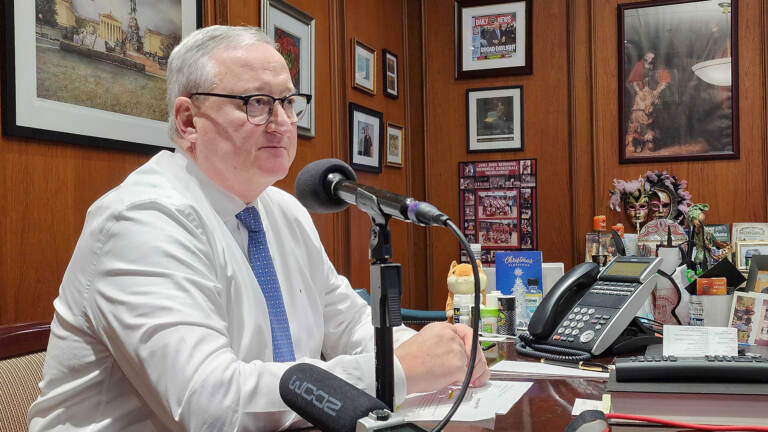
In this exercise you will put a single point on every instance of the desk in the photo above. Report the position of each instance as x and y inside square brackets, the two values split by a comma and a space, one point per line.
[547, 405]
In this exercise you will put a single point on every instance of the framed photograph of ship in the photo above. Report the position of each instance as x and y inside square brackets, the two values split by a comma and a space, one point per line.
[294, 32]
[91, 72]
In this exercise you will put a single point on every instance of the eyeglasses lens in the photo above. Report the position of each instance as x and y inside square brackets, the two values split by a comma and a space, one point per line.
[260, 108]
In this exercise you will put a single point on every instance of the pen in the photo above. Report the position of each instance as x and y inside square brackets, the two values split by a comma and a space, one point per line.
[450, 394]
[589, 366]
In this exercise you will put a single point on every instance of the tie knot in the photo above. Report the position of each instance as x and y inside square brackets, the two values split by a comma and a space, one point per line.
[250, 218]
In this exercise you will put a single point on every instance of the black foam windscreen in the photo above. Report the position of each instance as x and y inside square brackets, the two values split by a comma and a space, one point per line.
[311, 189]
[324, 399]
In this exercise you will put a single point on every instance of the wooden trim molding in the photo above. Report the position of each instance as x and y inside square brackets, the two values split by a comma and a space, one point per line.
[24, 338]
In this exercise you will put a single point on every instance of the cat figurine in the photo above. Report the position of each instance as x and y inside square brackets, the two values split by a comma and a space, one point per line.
[461, 281]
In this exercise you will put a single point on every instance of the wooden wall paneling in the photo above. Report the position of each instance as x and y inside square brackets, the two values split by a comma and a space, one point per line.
[546, 134]
[412, 86]
[379, 25]
[736, 189]
[581, 121]
[216, 12]
[243, 12]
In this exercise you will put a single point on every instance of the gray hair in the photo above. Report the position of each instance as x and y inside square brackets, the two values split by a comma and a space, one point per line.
[189, 67]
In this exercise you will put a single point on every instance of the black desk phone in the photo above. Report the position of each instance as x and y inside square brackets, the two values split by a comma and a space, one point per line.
[588, 309]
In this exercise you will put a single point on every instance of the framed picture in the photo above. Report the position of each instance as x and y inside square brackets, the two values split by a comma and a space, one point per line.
[678, 81]
[81, 72]
[749, 231]
[394, 144]
[757, 281]
[746, 250]
[389, 74]
[493, 38]
[749, 316]
[363, 67]
[366, 133]
[294, 33]
[495, 119]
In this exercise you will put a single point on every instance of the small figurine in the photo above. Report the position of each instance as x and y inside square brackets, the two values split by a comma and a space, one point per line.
[702, 242]
[461, 281]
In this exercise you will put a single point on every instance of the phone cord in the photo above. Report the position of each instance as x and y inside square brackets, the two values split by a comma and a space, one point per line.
[528, 346]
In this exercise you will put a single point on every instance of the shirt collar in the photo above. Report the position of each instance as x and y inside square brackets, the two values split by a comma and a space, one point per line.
[226, 204]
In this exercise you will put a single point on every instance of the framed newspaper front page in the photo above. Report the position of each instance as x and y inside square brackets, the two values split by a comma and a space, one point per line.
[493, 38]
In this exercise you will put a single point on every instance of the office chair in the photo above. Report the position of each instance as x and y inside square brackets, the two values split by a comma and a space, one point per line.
[411, 317]
[22, 354]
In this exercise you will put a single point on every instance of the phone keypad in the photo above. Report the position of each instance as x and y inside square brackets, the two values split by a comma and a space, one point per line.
[582, 325]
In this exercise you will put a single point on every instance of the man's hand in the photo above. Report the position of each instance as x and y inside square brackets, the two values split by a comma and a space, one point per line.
[437, 356]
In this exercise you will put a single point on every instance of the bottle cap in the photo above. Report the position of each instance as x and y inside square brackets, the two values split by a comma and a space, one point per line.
[533, 281]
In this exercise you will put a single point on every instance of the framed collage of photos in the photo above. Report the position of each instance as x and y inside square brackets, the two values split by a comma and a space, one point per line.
[497, 203]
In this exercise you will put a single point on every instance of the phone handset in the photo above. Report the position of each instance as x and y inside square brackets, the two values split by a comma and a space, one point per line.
[558, 301]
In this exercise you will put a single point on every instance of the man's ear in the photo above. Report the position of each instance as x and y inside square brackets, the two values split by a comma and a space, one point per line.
[184, 113]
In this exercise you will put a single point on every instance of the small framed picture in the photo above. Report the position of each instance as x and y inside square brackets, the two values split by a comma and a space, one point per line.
[495, 119]
[749, 316]
[394, 144]
[746, 250]
[389, 74]
[366, 133]
[493, 38]
[363, 67]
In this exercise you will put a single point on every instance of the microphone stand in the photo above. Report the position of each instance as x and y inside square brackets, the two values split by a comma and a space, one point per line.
[386, 291]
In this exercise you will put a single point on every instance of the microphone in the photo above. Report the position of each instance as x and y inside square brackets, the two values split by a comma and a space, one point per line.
[330, 185]
[324, 399]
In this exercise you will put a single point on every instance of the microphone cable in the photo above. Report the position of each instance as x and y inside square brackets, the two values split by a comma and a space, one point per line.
[474, 317]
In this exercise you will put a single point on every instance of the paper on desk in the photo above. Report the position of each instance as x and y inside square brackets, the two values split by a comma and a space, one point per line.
[694, 341]
[524, 369]
[479, 405]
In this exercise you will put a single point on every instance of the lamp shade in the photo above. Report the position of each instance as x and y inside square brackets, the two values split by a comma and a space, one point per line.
[716, 71]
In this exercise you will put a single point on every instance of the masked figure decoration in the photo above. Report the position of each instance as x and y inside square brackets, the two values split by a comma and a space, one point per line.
[656, 195]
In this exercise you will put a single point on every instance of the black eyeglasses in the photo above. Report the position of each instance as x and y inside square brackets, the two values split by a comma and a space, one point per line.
[259, 107]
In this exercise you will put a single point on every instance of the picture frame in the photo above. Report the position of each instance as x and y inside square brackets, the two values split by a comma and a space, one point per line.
[389, 74]
[363, 67]
[366, 133]
[748, 249]
[749, 316]
[757, 280]
[493, 38]
[494, 119]
[115, 88]
[749, 231]
[293, 31]
[678, 81]
[394, 142]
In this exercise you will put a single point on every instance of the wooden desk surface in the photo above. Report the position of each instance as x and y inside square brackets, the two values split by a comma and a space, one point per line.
[547, 405]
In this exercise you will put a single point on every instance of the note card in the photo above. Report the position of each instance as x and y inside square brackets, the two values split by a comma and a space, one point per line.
[693, 341]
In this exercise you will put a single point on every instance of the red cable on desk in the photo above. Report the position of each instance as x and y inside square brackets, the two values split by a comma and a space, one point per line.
[686, 425]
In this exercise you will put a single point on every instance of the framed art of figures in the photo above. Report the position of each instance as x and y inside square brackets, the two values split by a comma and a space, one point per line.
[294, 33]
[366, 133]
[678, 86]
[495, 119]
[493, 38]
[394, 144]
[364, 60]
[389, 74]
[91, 72]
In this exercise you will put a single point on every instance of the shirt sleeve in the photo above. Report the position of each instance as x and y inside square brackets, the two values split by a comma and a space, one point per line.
[155, 301]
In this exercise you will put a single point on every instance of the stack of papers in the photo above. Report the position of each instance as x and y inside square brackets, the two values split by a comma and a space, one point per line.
[480, 405]
[506, 369]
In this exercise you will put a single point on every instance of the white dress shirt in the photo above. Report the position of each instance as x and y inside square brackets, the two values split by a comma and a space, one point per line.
[160, 323]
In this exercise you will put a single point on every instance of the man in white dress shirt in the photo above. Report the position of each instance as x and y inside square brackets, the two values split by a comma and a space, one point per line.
[160, 322]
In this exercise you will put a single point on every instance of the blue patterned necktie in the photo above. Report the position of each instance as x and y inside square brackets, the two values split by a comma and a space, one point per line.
[264, 269]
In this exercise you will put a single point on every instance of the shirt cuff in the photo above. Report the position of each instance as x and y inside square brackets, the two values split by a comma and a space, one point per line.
[401, 386]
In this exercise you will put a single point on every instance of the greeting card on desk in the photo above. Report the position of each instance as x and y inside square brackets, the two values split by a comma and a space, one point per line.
[516, 268]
